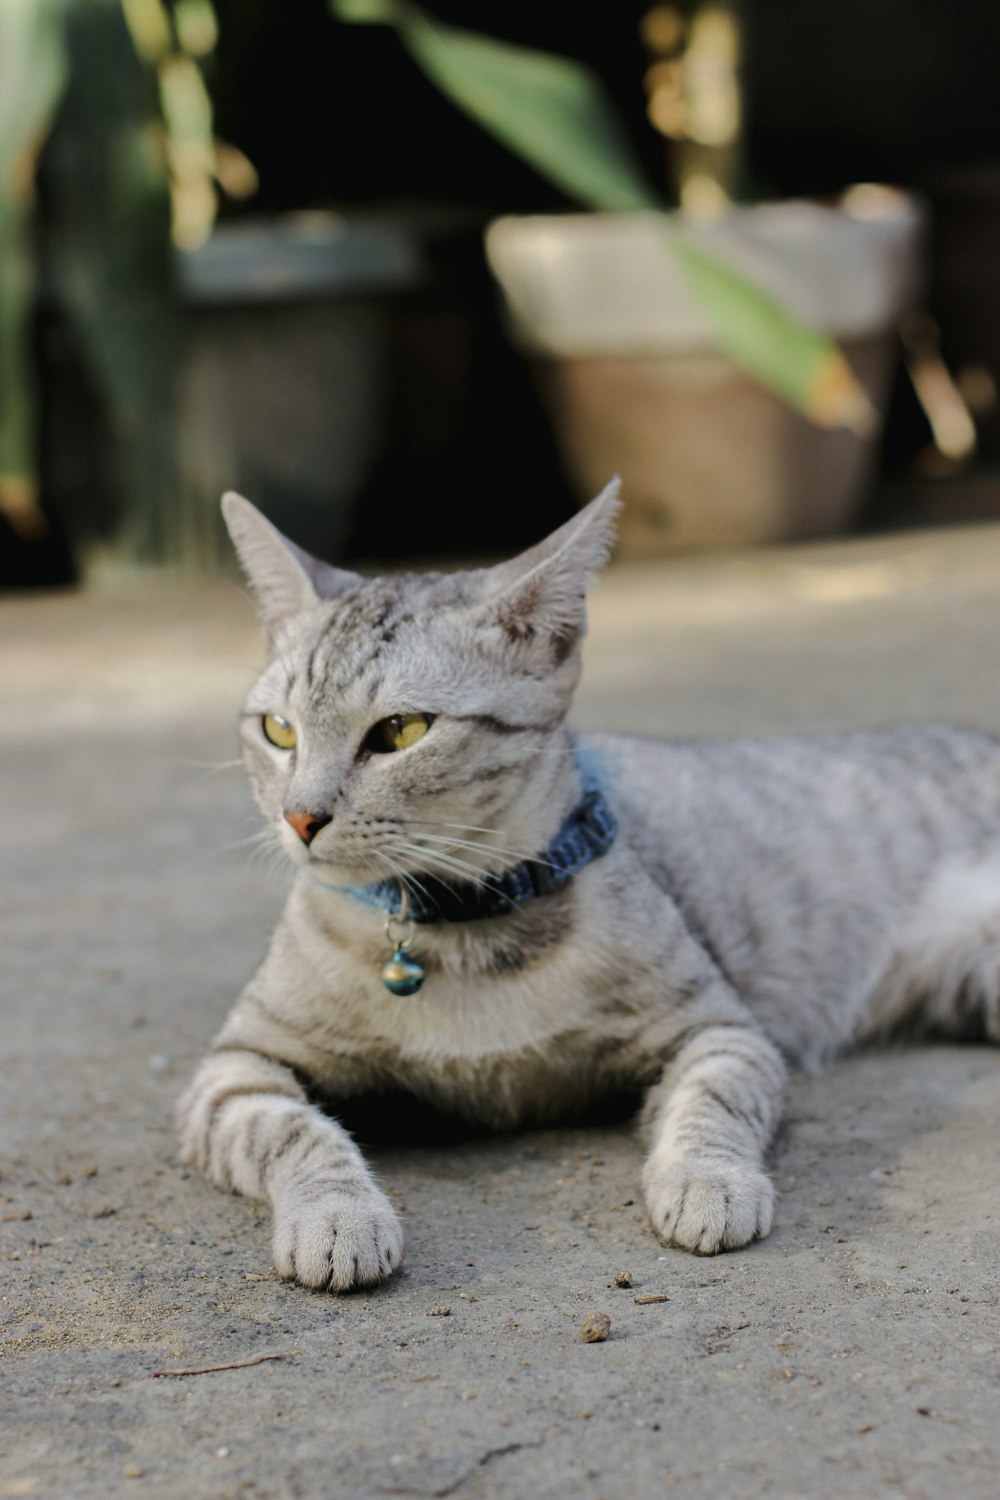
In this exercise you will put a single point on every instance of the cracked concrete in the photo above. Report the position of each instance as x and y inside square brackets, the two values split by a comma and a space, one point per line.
[855, 1351]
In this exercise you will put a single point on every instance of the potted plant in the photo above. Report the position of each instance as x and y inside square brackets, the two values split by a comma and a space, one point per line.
[181, 357]
[697, 356]
[134, 160]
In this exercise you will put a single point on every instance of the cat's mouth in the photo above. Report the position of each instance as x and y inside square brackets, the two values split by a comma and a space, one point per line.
[416, 869]
[342, 866]
[394, 852]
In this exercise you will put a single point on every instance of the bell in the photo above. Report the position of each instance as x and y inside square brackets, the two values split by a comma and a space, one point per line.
[402, 975]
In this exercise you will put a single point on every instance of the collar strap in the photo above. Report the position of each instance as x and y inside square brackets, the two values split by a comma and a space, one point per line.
[587, 833]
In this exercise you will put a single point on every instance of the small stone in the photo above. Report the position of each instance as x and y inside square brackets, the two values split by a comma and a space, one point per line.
[63, 1179]
[595, 1328]
[222, 1452]
[440, 1312]
[624, 1278]
[132, 1471]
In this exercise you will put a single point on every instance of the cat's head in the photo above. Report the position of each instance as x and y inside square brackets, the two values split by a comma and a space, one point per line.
[416, 722]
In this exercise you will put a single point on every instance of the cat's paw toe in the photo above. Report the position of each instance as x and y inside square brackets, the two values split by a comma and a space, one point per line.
[336, 1240]
[707, 1207]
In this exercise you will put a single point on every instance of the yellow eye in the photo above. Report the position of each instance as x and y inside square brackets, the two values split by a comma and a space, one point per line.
[278, 731]
[398, 732]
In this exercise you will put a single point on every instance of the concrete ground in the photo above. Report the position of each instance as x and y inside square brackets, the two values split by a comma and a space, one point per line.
[855, 1352]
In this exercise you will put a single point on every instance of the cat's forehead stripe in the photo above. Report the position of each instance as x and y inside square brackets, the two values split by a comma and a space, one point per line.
[357, 633]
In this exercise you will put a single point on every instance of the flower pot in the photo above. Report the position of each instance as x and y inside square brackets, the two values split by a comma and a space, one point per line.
[283, 376]
[636, 383]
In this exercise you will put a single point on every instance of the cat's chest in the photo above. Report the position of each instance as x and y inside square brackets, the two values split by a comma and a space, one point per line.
[462, 1013]
[567, 998]
[503, 1051]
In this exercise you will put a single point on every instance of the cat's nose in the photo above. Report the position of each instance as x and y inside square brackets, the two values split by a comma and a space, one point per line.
[307, 824]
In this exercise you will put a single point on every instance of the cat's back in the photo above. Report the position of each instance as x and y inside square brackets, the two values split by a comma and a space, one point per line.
[795, 860]
[787, 790]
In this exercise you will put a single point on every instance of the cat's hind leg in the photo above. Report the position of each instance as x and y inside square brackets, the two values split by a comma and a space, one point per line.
[711, 1118]
[943, 977]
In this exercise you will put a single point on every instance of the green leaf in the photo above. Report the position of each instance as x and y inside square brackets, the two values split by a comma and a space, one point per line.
[32, 77]
[783, 353]
[109, 247]
[553, 112]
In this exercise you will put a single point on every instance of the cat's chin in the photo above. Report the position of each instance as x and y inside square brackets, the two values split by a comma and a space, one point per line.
[332, 872]
[336, 873]
[329, 871]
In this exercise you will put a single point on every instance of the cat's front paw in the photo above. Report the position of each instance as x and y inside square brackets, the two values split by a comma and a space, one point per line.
[707, 1206]
[336, 1239]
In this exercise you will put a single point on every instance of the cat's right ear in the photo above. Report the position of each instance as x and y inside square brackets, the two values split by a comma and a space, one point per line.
[284, 577]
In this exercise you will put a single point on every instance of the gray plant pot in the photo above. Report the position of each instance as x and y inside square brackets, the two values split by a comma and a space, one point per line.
[283, 376]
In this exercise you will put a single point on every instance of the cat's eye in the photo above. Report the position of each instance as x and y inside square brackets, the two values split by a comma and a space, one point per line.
[278, 731]
[397, 732]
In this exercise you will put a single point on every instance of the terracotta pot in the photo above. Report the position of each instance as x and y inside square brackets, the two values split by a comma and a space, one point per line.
[636, 385]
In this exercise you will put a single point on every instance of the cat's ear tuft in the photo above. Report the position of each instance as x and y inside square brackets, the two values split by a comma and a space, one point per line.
[284, 577]
[538, 599]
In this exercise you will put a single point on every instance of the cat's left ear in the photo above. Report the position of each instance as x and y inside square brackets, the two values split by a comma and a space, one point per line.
[284, 577]
[538, 598]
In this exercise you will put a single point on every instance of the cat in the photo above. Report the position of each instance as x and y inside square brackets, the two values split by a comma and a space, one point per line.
[507, 920]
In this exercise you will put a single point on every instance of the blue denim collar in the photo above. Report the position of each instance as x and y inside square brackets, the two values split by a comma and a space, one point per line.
[588, 832]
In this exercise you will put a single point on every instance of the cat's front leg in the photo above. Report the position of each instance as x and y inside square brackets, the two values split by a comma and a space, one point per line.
[711, 1117]
[246, 1123]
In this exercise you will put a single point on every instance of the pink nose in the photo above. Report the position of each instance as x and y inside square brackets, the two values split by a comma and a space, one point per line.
[306, 824]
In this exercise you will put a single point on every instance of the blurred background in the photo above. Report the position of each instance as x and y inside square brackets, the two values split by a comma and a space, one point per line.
[418, 280]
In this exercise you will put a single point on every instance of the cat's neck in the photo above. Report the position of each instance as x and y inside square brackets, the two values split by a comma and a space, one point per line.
[587, 832]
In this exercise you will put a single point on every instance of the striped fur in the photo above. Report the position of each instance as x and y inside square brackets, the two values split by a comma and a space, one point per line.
[765, 903]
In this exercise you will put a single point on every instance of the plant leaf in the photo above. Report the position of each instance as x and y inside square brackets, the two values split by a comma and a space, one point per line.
[112, 263]
[32, 78]
[788, 356]
[553, 112]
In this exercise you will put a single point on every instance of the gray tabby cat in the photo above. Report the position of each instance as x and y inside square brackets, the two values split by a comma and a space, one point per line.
[762, 903]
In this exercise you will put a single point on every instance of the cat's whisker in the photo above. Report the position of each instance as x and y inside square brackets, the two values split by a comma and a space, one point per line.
[408, 850]
[451, 864]
[269, 854]
[455, 843]
[418, 826]
[264, 848]
[263, 836]
[467, 874]
[405, 878]
[439, 823]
